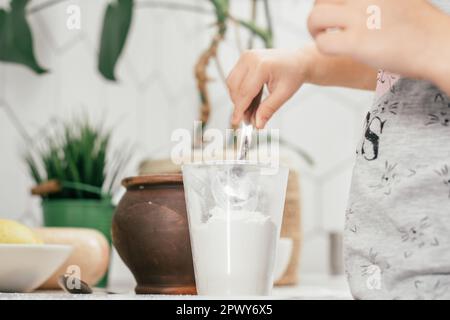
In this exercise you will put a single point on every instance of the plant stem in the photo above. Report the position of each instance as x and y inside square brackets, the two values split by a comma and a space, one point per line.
[15, 121]
[44, 5]
[269, 19]
[237, 33]
[253, 19]
[202, 77]
[221, 10]
[263, 34]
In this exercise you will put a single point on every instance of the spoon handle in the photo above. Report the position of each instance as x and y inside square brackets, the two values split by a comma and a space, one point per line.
[249, 114]
[247, 126]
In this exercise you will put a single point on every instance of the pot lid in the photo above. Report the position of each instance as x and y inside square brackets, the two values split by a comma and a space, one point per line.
[172, 178]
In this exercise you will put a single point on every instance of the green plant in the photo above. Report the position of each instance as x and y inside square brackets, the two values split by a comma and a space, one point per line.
[16, 36]
[75, 157]
[16, 40]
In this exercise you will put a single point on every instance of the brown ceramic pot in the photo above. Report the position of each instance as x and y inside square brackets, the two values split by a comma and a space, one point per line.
[150, 232]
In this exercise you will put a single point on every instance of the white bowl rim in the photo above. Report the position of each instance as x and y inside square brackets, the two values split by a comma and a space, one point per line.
[36, 245]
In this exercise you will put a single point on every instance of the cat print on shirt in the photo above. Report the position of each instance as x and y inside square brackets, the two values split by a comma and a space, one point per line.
[426, 290]
[374, 270]
[349, 214]
[374, 127]
[443, 118]
[386, 107]
[418, 235]
[444, 174]
[375, 120]
[386, 82]
[389, 178]
[392, 174]
[371, 142]
[374, 260]
[442, 115]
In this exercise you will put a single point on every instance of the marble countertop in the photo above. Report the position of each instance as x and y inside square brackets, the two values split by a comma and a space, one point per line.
[311, 287]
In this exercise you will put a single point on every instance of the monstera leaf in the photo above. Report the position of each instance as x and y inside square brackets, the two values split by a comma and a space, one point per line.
[16, 41]
[116, 25]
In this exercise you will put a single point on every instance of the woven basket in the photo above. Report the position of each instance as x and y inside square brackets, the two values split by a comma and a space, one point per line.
[290, 228]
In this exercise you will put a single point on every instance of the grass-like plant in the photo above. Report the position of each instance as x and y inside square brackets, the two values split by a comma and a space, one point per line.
[74, 158]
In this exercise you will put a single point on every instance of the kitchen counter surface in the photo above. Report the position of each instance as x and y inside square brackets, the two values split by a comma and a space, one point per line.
[311, 288]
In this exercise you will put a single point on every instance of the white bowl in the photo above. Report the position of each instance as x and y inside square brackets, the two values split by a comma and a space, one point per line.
[24, 267]
[284, 251]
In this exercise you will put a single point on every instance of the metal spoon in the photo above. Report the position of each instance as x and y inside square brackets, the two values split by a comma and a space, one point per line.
[233, 192]
[247, 127]
[229, 189]
[233, 188]
[65, 280]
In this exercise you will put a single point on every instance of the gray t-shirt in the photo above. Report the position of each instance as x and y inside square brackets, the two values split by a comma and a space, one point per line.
[397, 234]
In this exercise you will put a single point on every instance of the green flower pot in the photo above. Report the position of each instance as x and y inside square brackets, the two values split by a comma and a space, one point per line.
[93, 214]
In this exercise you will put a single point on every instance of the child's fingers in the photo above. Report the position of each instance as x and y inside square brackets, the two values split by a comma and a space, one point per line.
[235, 78]
[327, 16]
[269, 106]
[247, 91]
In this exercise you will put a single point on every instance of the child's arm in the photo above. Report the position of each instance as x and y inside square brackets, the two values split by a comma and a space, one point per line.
[408, 37]
[439, 72]
[284, 72]
[326, 70]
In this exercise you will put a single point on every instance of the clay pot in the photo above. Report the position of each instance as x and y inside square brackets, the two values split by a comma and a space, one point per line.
[150, 232]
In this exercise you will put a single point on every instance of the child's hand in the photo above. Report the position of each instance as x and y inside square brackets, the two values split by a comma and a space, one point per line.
[409, 40]
[283, 71]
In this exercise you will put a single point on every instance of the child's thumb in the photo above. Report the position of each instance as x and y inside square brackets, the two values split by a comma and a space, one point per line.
[269, 106]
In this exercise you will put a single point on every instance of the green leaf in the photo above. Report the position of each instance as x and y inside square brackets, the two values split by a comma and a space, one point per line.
[116, 25]
[77, 155]
[34, 170]
[265, 35]
[221, 9]
[16, 41]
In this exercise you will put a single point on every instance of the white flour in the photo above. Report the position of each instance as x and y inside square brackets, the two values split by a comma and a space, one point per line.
[234, 253]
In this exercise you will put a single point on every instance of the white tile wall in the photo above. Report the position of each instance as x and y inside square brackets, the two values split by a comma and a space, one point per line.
[157, 93]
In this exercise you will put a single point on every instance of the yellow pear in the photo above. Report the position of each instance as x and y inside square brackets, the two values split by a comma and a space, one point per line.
[12, 232]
